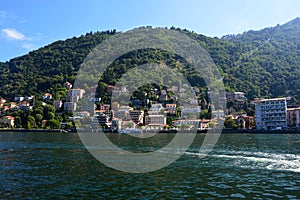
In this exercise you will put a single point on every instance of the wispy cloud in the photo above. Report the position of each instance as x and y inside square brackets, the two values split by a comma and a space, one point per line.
[13, 34]
[241, 26]
[28, 46]
[3, 14]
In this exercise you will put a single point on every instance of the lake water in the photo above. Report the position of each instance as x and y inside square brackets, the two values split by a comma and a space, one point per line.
[57, 166]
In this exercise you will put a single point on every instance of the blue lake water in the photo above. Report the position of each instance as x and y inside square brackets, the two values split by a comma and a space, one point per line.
[241, 166]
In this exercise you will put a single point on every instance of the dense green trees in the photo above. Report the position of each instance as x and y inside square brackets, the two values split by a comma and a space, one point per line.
[53, 124]
[262, 63]
[41, 116]
[230, 123]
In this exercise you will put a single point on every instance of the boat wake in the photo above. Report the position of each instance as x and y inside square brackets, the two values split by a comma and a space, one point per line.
[256, 160]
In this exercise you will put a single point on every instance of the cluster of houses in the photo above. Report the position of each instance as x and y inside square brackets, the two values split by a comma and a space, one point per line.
[19, 103]
[124, 117]
[118, 117]
[27, 103]
[270, 114]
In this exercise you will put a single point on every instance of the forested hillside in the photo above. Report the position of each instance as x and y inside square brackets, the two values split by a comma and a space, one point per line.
[263, 63]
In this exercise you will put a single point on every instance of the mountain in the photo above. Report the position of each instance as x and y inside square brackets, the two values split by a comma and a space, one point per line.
[49, 67]
[264, 63]
[269, 62]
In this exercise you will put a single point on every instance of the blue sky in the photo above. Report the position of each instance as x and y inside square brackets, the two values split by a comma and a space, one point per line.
[31, 24]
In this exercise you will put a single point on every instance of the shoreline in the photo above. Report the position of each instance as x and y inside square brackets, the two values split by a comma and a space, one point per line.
[35, 130]
[224, 131]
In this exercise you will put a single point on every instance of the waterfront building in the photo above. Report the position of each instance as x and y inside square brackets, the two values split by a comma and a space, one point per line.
[199, 124]
[8, 120]
[155, 120]
[137, 116]
[271, 114]
[293, 117]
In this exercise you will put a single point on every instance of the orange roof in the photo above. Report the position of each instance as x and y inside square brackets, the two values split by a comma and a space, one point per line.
[171, 104]
[9, 117]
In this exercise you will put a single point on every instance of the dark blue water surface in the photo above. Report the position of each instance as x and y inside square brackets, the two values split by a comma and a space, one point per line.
[241, 166]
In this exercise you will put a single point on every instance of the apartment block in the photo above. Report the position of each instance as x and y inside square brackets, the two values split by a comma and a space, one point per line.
[137, 116]
[271, 114]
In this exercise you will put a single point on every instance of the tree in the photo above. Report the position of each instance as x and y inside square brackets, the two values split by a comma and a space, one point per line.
[50, 115]
[28, 126]
[18, 122]
[53, 124]
[211, 125]
[69, 125]
[38, 110]
[38, 119]
[230, 123]
[24, 117]
[204, 114]
[49, 111]
[31, 121]
[169, 120]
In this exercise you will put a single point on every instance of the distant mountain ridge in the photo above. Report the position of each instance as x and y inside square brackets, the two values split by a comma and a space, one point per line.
[264, 63]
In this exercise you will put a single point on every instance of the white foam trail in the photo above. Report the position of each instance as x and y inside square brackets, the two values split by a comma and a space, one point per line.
[259, 160]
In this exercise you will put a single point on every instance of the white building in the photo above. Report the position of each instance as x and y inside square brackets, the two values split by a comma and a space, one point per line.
[47, 96]
[137, 116]
[123, 112]
[75, 94]
[155, 120]
[70, 106]
[19, 98]
[271, 114]
[190, 110]
[218, 114]
[57, 104]
[156, 107]
[198, 124]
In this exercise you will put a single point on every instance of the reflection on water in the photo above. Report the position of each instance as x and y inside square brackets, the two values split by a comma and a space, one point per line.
[54, 165]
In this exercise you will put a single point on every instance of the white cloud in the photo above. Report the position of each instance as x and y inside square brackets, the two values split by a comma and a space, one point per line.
[3, 14]
[13, 34]
[28, 46]
[241, 27]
